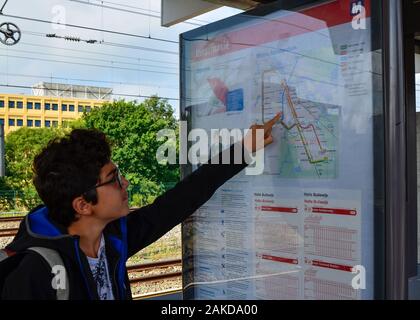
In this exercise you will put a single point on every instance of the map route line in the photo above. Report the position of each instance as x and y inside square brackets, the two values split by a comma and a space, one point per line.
[299, 127]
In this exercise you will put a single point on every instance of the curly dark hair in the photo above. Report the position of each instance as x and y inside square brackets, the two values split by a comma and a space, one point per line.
[66, 168]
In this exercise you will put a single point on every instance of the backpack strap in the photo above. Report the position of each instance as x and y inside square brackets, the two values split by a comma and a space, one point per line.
[3, 255]
[6, 253]
[54, 259]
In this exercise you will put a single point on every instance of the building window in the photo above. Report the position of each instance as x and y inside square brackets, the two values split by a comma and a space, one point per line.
[1, 122]
[80, 108]
[88, 108]
[37, 123]
[71, 107]
[63, 107]
[11, 122]
[47, 123]
[20, 105]
[29, 105]
[1, 103]
[11, 104]
[37, 106]
[47, 106]
[30, 123]
[55, 123]
[55, 107]
[19, 122]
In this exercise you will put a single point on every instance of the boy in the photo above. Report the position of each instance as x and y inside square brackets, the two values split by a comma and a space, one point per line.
[86, 217]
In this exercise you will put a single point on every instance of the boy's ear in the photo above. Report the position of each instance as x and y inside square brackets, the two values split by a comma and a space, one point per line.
[81, 206]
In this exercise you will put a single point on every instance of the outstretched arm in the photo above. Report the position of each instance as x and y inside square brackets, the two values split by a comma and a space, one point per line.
[149, 223]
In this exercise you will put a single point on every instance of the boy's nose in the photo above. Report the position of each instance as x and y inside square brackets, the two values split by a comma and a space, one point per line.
[126, 183]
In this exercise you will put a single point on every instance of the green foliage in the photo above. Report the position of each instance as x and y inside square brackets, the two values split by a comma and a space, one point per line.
[21, 147]
[6, 195]
[131, 128]
[77, 124]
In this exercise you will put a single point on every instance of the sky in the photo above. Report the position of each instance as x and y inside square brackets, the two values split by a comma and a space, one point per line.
[130, 65]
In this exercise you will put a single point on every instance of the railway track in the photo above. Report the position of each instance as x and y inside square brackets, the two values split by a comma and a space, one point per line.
[149, 270]
[9, 231]
[10, 219]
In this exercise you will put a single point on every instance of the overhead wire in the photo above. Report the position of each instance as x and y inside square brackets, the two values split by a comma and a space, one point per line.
[89, 28]
[91, 59]
[96, 53]
[2, 7]
[122, 45]
[113, 44]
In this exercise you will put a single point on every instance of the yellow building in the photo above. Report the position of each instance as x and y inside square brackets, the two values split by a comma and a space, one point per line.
[41, 111]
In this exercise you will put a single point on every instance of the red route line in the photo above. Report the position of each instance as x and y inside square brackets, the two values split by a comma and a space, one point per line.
[292, 107]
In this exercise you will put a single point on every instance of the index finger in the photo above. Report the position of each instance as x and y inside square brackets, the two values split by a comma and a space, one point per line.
[271, 122]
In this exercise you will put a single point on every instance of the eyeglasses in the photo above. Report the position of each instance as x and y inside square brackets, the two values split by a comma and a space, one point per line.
[116, 178]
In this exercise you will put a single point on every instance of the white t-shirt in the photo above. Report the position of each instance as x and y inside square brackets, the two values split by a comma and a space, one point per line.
[100, 272]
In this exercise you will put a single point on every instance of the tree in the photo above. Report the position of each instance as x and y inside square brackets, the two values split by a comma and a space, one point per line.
[131, 128]
[6, 195]
[20, 148]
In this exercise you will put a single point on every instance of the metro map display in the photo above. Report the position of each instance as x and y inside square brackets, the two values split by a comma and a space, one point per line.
[299, 229]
